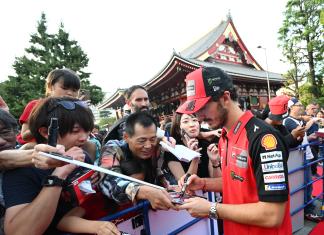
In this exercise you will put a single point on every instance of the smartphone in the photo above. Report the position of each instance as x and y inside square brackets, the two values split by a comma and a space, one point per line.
[185, 135]
[176, 198]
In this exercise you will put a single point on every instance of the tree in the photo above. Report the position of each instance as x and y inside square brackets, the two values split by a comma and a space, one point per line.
[46, 52]
[301, 38]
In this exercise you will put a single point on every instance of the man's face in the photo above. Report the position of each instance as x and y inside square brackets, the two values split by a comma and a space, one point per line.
[139, 101]
[311, 110]
[297, 109]
[7, 138]
[143, 143]
[77, 137]
[214, 114]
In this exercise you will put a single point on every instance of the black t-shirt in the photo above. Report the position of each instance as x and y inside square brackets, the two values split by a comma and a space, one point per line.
[204, 160]
[22, 185]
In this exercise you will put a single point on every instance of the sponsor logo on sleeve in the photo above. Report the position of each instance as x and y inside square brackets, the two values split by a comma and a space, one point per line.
[274, 177]
[274, 187]
[272, 166]
[271, 156]
[269, 142]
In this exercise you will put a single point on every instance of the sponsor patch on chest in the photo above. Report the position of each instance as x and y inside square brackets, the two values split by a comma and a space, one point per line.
[235, 176]
[240, 157]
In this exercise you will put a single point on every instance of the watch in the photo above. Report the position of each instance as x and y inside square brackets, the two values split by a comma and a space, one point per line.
[52, 181]
[216, 165]
[213, 211]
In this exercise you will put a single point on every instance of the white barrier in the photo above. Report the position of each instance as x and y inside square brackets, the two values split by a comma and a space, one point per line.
[165, 222]
[296, 180]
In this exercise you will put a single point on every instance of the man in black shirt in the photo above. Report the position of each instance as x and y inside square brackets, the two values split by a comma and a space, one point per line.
[278, 112]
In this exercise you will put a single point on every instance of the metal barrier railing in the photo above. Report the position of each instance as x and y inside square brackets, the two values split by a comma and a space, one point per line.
[308, 177]
[144, 206]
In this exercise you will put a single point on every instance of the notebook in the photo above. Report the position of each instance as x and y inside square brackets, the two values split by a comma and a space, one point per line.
[183, 153]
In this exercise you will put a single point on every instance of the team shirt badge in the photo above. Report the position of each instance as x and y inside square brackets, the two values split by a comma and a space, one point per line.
[269, 142]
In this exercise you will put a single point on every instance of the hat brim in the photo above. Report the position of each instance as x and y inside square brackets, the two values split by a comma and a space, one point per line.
[192, 106]
[277, 117]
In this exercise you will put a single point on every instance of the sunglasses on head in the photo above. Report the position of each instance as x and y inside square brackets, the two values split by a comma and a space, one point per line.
[68, 104]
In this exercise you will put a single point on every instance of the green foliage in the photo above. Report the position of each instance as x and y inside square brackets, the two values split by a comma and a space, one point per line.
[301, 39]
[103, 122]
[46, 52]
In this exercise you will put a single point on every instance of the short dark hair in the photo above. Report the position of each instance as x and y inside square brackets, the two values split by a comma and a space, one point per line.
[129, 91]
[232, 91]
[67, 118]
[142, 118]
[8, 120]
[70, 79]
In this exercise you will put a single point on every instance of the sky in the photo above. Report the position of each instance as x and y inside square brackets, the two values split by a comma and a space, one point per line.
[128, 42]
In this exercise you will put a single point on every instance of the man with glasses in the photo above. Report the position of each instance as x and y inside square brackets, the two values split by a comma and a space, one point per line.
[254, 177]
[311, 111]
[135, 157]
[293, 121]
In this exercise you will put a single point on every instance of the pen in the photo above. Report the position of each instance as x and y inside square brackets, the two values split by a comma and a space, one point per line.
[53, 132]
[167, 135]
[184, 186]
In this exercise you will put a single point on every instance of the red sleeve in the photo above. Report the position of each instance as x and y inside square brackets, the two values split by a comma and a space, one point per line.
[25, 115]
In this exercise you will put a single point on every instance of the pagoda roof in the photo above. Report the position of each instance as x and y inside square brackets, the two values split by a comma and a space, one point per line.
[204, 43]
[115, 101]
[240, 70]
[210, 42]
[223, 40]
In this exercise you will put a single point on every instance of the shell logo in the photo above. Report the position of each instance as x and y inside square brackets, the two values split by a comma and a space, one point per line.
[269, 142]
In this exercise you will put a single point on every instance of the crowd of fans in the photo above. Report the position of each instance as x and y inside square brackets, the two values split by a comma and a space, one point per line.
[33, 195]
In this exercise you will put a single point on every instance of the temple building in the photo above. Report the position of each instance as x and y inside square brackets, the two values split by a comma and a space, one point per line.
[222, 47]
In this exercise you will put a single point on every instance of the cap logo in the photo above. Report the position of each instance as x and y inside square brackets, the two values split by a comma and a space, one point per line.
[216, 88]
[212, 80]
[191, 88]
[191, 105]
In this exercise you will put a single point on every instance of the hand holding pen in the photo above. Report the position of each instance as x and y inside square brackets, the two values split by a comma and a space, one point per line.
[168, 139]
[184, 186]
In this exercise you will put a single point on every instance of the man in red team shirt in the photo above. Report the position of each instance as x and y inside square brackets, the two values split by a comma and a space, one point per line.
[254, 178]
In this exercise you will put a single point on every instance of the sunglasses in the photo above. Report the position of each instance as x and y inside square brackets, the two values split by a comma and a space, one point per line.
[68, 105]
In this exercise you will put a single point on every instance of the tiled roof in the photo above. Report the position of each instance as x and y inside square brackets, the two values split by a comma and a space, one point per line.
[239, 70]
[205, 42]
